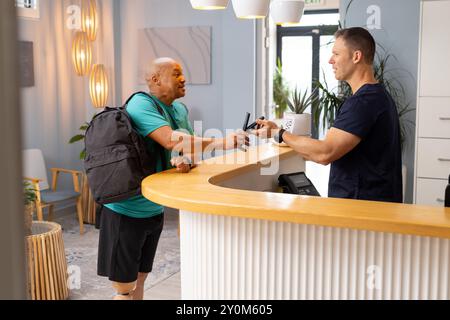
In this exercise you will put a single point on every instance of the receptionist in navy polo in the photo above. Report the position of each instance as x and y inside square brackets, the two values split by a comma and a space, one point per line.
[363, 145]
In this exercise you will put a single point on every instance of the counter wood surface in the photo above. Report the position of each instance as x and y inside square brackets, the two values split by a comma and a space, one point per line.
[198, 191]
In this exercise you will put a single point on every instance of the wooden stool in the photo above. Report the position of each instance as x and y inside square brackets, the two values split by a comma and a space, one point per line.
[47, 264]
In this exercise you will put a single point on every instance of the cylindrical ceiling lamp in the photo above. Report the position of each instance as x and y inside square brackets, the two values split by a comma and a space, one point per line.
[251, 9]
[209, 4]
[287, 11]
[89, 18]
[98, 86]
[81, 53]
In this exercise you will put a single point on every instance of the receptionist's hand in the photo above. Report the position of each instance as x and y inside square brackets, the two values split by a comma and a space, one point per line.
[267, 129]
[237, 139]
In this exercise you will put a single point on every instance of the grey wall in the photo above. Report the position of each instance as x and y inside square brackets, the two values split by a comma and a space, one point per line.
[48, 127]
[239, 80]
[399, 35]
[49, 119]
[221, 104]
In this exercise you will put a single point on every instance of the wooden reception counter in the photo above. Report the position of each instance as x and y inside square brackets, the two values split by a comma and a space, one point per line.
[242, 240]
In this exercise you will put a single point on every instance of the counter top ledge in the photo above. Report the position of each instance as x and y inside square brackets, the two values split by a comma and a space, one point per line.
[198, 191]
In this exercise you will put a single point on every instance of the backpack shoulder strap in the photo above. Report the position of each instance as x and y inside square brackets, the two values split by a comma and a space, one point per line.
[160, 149]
[168, 113]
[161, 112]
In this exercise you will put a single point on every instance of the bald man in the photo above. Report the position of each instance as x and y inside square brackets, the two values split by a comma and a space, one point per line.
[130, 229]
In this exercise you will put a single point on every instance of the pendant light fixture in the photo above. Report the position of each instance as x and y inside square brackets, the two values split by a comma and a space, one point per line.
[251, 9]
[209, 4]
[285, 12]
[81, 53]
[89, 18]
[98, 86]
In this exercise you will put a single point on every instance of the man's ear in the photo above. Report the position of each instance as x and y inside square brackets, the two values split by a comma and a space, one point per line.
[357, 56]
[156, 79]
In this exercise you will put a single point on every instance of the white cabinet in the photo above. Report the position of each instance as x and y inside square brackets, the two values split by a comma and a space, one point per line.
[435, 49]
[433, 158]
[433, 104]
[435, 118]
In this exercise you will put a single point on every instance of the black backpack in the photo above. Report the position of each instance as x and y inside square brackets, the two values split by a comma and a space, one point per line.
[117, 159]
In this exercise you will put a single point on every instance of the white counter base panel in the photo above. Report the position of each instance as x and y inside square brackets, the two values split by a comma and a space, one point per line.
[236, 258]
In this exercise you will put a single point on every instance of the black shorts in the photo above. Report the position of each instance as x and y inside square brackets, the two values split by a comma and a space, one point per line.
[127, 245]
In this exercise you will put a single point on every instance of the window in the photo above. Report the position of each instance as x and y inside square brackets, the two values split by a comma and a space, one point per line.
[305, 50]
[28, 8]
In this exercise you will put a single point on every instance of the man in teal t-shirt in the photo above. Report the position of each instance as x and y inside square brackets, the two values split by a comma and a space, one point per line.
[146, 120]
[130, 229]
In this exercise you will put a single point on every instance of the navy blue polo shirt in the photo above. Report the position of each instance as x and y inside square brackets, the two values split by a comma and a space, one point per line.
[372, 170]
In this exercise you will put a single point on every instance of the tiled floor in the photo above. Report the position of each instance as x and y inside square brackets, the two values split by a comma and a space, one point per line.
[169, 289]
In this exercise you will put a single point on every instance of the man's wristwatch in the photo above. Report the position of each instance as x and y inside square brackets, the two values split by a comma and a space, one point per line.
[279, 136]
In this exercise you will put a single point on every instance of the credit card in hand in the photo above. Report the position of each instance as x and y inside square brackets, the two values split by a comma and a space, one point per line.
[247, 119]
[254, 124]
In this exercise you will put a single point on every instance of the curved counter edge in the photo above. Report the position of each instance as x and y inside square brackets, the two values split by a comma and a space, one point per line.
[198, 191]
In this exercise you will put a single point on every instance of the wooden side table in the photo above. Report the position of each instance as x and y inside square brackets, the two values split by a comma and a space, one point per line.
[47, 264]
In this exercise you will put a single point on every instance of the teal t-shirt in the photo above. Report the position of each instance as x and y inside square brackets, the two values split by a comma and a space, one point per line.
[147, 119]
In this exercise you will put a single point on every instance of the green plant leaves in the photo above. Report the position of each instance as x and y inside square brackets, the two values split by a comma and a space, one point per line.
[327, 106]
[280, 90]
[78, 137]
[81, 137]
[83, 154]
[298, 102]
[29, 193]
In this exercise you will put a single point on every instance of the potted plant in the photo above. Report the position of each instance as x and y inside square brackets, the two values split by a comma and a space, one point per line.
[297, 121]
[29, 197]
[280, 91]
[328, 105]
[43, 240]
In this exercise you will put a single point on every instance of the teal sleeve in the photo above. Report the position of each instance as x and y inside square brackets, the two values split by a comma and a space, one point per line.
[189, 128]
[183, 117]
[145, 115]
